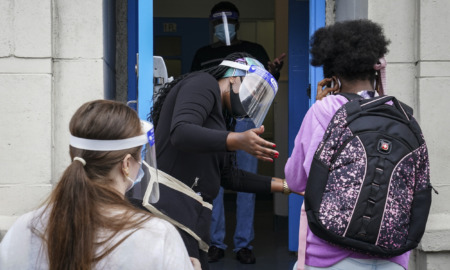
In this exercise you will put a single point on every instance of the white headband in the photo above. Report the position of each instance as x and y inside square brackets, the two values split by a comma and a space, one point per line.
[114, 145]
[235, 65]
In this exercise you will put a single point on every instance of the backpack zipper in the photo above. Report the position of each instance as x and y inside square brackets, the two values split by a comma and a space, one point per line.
[431, 186]
[341, 148]
[195, 183]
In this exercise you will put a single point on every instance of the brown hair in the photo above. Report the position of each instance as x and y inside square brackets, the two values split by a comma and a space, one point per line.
[84, 200]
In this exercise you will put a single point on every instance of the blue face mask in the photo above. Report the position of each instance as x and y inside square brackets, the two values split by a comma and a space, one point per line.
[219, 32]
[138, 177]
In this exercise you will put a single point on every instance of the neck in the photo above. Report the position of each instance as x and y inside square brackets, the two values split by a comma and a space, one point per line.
[220, 43]
[356, 86]
[224, 86]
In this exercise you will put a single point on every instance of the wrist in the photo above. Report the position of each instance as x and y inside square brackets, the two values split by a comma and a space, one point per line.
[286, 189]
[232, 140]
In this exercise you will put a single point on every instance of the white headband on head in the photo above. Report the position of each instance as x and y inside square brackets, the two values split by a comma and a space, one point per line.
[114, 145]
[236, 65]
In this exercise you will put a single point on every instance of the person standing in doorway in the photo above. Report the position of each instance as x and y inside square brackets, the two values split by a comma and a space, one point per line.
[224, 18]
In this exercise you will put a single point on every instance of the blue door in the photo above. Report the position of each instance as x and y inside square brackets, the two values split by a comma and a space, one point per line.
[304, 18]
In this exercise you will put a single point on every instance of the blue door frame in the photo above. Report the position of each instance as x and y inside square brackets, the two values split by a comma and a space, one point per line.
[316, 21]
[145, 82]
[309, 16]
[140, 40]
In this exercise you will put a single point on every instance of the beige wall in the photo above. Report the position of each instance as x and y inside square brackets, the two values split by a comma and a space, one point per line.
[418, 73]
[25, 106]
[52, 59]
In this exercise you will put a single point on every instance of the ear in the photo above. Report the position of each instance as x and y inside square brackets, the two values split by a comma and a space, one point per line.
[126, 164]
[237, 26]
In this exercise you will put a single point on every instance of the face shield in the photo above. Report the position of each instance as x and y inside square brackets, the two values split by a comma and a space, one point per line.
[257, 90]
[147, 189]
[227, 33]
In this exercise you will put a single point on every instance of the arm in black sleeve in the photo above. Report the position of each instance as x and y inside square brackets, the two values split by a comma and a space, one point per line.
[243, 181]
[195, 102]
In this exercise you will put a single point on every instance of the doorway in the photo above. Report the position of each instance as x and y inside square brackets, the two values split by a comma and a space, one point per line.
[178, 32]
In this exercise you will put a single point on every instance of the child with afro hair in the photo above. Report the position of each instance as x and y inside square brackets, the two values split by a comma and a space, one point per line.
[352, 56]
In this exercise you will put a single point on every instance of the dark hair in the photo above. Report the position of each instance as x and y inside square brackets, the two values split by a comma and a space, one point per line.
[217, 72]
[77, 204]
[349, 49]
[224, 6]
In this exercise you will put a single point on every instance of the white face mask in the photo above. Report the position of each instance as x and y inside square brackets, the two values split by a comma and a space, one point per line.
[138, 177]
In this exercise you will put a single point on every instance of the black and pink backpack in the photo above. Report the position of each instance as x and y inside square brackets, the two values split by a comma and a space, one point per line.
[369, 185]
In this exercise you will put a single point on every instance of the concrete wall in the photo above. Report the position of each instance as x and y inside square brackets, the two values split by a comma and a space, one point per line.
[433, 78]
[53, 58]
[25, 106]
[418, 73]
[351, 9]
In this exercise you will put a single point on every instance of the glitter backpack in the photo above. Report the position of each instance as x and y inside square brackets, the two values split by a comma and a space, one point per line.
[369, 185]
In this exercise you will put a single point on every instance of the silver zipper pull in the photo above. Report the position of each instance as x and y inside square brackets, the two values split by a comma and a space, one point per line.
[195, 182]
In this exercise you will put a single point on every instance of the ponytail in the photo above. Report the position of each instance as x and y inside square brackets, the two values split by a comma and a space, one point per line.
[77, 214]
[69, 231]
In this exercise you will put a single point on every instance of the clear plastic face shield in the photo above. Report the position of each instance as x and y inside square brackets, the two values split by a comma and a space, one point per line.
[257, 90]
[227, 32]
[147, 188]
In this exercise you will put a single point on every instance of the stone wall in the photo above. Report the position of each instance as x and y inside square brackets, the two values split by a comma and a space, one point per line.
[418, 74]
[53, 58]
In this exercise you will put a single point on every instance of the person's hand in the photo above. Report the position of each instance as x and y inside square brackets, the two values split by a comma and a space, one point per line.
[250, 142]
[323, 92]
[276, 65]
[196, 263]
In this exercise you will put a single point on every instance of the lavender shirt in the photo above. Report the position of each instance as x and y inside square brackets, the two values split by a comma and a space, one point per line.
[318, 252]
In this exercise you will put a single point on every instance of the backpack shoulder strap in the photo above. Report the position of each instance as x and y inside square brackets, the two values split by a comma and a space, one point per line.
[350, 96]
[408, 109]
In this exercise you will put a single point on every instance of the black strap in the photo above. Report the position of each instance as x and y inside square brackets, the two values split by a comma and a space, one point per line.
[373, 196]
[350, 96]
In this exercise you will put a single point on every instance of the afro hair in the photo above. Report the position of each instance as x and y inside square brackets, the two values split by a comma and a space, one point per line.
[348, 49]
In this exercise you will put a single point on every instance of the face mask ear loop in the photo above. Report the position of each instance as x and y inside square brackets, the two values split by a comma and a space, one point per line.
[225, 26]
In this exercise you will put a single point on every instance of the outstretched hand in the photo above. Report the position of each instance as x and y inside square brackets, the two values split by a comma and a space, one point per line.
[323, 92]
[276, 65]
[250, 142]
